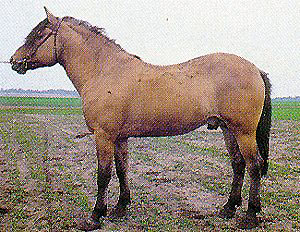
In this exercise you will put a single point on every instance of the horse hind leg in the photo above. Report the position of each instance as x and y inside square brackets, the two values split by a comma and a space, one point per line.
[254, 162]
[238, 166]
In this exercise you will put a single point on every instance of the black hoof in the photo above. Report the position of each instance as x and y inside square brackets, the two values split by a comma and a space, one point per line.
[247, 222]
[89, 225]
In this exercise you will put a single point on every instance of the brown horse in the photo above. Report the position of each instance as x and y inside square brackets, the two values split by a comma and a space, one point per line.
[125, 97]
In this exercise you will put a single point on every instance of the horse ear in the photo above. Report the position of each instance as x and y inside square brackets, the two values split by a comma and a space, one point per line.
[51, 18]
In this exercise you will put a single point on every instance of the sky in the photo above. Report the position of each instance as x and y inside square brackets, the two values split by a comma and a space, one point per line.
[267, 33]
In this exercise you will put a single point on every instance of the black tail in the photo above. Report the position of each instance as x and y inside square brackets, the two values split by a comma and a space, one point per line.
[264, 125]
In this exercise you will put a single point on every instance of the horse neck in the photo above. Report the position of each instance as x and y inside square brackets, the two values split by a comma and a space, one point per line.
[85, 58]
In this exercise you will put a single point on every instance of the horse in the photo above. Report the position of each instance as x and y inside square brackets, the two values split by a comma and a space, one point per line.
[123, 97]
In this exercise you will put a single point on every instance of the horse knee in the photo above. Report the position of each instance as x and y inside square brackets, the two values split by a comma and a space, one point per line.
[105, 150]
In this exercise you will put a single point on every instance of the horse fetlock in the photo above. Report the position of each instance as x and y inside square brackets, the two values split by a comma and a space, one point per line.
[254, 208]
[234, 200]
[124, 200]
[99, 212]
[238, 164]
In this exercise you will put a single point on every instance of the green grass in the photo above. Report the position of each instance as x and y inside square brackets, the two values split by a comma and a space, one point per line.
[286, 110]
[286, 103]
[289, 110]
[57, 111]
[40, 105]
[51, 102]
[281, 113]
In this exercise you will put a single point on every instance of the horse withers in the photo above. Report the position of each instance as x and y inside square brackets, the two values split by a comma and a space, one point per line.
[123, 97]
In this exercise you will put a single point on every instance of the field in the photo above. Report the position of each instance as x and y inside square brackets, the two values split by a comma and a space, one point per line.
[40, 105]
[48, 177]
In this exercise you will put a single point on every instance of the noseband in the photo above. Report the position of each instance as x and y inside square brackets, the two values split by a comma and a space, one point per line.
[29, 55]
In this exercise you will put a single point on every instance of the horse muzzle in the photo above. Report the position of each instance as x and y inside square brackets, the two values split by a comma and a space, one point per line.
[20, 66]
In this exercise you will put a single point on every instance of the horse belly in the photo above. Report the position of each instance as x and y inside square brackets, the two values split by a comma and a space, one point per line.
[162, 128]
[164, 118]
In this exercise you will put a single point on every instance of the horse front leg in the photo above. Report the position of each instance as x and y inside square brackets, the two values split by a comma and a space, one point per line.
[105, 152]
[238, 166]
[121, 161]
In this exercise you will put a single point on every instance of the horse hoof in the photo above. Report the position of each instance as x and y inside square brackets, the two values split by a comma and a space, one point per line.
[89, 225]
[247, 222]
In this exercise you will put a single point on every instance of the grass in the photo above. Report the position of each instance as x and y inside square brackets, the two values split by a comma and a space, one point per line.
[40, 105]
[57, 111]
[50, 102]
[281, 113]
[66, 106]
[286, 110]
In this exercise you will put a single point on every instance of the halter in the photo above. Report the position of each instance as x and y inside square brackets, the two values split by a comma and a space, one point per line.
[29, 55]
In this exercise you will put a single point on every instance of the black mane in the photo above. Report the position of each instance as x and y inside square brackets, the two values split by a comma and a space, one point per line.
[96, 30]
[85, 24]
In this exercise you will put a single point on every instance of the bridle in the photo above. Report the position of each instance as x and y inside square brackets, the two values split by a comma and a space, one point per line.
[28, 58]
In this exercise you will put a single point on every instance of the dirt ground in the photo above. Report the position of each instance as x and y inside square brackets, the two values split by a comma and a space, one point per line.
[48, 179]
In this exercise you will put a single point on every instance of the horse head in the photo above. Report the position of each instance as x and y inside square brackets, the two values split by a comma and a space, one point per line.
[40, 48]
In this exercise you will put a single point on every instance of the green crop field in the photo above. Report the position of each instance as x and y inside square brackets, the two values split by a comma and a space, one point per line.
[40, 105]
[289, 110]
[51, 102]
[282, 110]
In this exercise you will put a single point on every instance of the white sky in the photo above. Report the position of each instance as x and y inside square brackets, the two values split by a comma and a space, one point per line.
[167, 31]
